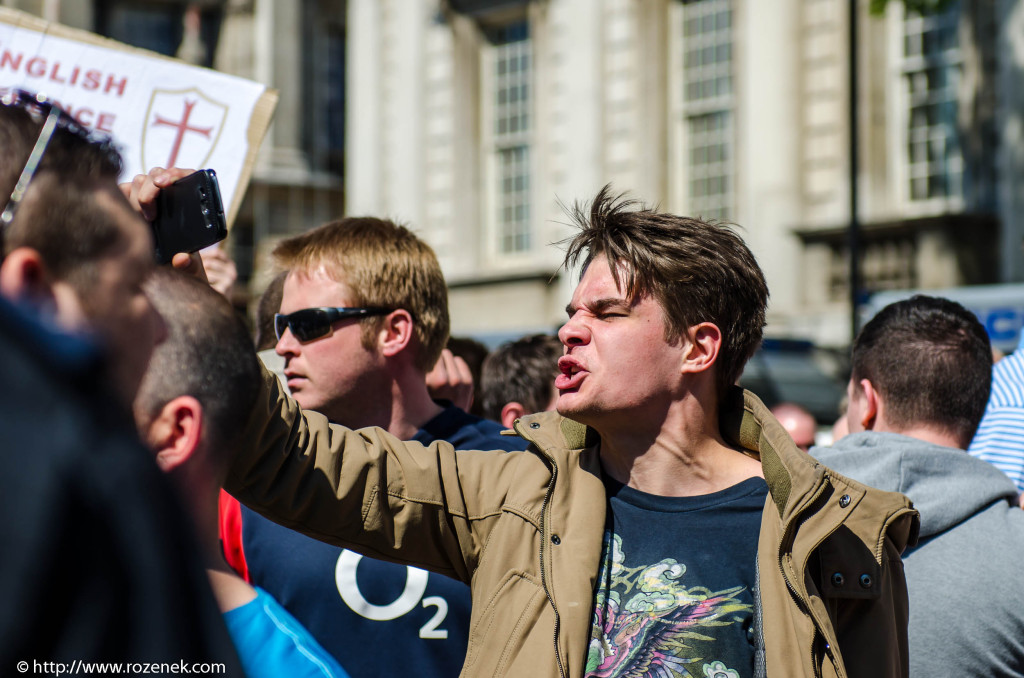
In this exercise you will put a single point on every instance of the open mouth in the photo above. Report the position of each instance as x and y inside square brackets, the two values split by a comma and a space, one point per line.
[572, 374]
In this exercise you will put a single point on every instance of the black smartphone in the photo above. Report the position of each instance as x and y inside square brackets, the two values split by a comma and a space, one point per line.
[189, 216]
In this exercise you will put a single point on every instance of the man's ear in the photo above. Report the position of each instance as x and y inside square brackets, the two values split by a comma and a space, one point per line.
[872, 405]
[702, 344]
[396, 332]
[510, 412]
[24, 278]
[175, 432]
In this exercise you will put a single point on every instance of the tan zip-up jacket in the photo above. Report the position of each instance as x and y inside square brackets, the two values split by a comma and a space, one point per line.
[524, 530]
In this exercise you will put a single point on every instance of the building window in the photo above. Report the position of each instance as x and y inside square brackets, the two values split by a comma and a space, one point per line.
[932, 67]
[708, 95]
[511, 77]
[710, 164]
[175, 28]
[323, 86]
[887, 264]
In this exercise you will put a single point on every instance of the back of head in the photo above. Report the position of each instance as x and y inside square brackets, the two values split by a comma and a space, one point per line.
[208, 355]
[268, 307]
[931, 363]
[59, 216]
[385, 265]
[520, 371]
[698, 271]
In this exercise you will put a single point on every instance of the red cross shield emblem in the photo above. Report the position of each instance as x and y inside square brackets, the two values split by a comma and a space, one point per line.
[182, 128]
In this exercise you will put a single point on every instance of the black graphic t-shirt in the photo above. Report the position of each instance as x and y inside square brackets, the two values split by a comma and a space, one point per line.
[675, 592]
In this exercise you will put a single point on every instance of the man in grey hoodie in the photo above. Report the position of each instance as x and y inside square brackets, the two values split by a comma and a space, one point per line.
[920, 380]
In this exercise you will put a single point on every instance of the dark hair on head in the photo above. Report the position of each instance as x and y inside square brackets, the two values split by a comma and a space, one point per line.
[383, 264]
[930, 361]
[521, 371]
[58, 216]
[269, 306]
[698, 271]
[68, 155]
[208, 355]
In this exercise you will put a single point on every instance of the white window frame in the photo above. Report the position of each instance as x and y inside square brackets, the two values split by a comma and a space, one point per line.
[494, 145]
[683, 172]
[899, 133]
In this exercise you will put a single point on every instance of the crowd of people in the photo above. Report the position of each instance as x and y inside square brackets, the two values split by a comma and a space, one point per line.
[353, 493]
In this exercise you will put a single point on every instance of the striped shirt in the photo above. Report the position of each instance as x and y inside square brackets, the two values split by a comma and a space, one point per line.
[1000, 436]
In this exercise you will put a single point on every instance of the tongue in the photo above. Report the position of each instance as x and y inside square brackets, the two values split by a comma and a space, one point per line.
[564, 382]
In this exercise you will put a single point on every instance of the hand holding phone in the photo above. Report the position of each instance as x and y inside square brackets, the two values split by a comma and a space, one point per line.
[189, 216]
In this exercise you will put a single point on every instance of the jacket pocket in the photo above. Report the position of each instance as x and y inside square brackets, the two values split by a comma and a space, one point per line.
[503, 629]
[848, 567]
[846, 600]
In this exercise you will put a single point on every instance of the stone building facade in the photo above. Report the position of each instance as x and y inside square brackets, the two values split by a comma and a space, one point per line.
[478, 121]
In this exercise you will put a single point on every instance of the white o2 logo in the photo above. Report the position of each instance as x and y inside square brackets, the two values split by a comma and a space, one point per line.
[415, 587]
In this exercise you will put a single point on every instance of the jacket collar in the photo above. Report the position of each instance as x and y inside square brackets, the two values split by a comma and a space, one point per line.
[550, 430]
[744, 420]
[795, 479]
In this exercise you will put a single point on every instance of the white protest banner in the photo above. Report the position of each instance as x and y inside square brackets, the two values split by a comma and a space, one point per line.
[161, 111]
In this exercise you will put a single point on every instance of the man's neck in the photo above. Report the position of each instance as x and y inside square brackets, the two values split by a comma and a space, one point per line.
[199, 489]
[684, 455]
[229, 589]
[412, 408]
[927, 433]
[409, 408]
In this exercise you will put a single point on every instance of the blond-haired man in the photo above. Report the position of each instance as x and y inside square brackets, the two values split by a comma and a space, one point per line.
[364, 317]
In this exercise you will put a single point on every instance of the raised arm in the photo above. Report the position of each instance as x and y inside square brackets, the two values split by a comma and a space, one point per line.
[367, 490]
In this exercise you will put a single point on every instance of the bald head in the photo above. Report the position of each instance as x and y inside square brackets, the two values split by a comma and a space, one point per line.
[798, 422]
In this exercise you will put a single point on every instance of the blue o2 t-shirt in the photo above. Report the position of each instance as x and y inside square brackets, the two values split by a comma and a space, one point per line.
[675, 592]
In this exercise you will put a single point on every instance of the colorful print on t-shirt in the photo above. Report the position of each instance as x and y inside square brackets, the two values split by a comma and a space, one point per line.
[660, 617]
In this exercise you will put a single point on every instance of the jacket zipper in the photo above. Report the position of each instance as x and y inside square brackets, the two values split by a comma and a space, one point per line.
[761, 668]
[792, 588]
[543, 570]
[543, 544]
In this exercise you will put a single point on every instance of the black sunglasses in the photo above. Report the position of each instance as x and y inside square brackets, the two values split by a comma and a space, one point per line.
[53, 119]
[313, 323]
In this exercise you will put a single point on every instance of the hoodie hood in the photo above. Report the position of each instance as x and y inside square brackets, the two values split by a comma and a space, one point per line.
[947, 485]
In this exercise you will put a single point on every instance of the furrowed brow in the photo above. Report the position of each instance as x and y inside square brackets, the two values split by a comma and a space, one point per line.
[608, 303]
[600, 305]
